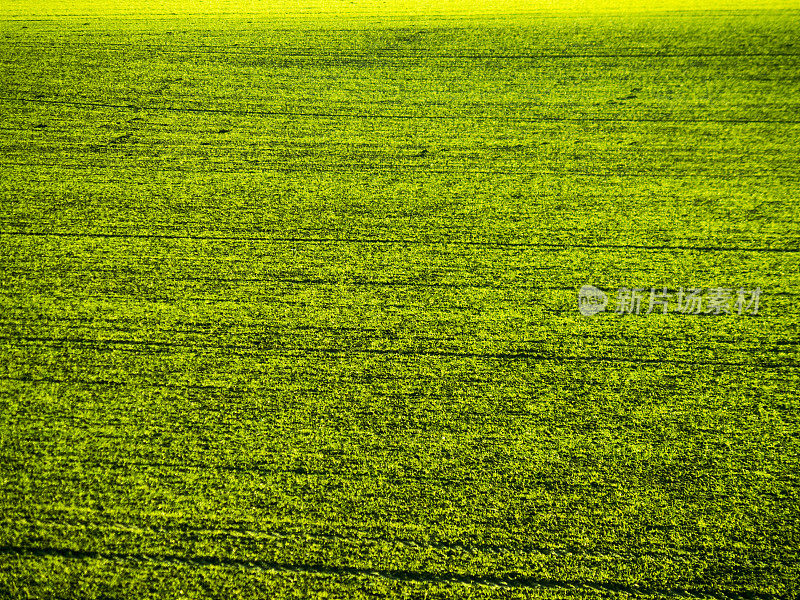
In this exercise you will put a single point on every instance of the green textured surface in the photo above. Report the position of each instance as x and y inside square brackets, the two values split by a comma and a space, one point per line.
[290, 309]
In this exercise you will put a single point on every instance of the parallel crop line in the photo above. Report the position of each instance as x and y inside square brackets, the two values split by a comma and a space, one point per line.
[511, 580]
[322, 53]
[304, 351]
[466, 117]
[394, 241]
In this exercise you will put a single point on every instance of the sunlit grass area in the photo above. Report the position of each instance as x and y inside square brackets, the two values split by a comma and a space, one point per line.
[289, 301]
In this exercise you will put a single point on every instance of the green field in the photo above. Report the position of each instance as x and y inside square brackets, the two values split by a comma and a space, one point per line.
[289, 306]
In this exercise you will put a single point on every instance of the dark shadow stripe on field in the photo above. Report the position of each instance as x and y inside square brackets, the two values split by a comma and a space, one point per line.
[109, 383]
[270, 168]
[304, 351]
[242, 530]
[407, 242]
[549, 483]
[467, 117]
[324, 54]
[510, 580]
[541, 357]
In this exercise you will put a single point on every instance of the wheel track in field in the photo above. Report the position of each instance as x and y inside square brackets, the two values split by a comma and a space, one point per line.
[247, 350]
[201, 533]
[392, 241]
[507, 581]
[397, 116]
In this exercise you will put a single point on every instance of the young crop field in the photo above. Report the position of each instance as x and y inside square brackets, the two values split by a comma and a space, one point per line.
[289, 304]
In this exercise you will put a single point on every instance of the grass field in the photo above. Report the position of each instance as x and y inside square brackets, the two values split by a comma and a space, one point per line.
[289, 306]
